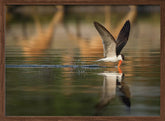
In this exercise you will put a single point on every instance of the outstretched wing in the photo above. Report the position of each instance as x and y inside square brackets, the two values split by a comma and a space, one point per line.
[108, 40]
[123, 37]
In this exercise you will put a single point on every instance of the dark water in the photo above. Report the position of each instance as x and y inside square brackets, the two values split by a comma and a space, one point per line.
[65, 80]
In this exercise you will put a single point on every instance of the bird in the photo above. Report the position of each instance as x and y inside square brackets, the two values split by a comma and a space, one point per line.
[112, 47]
[114, 85]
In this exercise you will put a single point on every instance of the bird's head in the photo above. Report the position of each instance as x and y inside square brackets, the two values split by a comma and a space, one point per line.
[121, 57]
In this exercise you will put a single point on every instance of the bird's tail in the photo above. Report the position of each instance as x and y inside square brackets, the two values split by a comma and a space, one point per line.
[98, 60]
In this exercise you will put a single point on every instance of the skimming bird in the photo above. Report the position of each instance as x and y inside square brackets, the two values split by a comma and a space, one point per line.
[112, 47]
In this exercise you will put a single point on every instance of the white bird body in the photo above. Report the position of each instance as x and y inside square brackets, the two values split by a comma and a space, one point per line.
[111, 59]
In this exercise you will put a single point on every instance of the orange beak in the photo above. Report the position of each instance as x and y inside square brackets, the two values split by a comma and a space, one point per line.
[120, 71]
[120, 61]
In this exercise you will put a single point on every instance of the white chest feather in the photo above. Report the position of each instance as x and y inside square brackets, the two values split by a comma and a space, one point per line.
[109, 59]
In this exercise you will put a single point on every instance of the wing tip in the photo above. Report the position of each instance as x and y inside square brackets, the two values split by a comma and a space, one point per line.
[100, 28]
[96, 24]
[126, 28]
[128, 23]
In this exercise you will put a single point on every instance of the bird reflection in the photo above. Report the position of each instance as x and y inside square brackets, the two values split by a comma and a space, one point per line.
[114, 85]
[124, 92]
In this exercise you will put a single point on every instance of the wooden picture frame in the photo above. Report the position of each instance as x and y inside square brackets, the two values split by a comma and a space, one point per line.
[3, 3]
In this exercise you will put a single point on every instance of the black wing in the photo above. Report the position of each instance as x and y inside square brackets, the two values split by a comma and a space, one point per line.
[123, 37]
